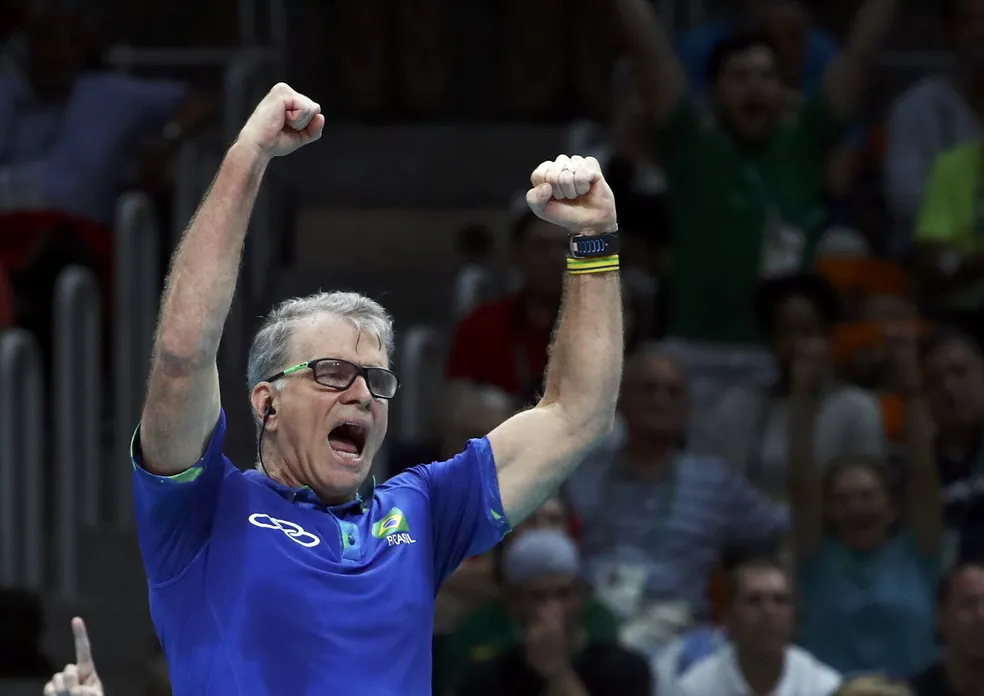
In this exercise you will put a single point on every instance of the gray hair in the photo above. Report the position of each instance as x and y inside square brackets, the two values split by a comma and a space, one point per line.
[270, 350]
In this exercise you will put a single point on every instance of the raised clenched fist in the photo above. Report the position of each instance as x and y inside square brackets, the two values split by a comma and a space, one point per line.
[282, 122]
[572, 193]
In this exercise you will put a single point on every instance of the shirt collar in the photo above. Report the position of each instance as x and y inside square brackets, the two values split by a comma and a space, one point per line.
[305, 495]
[738, 685]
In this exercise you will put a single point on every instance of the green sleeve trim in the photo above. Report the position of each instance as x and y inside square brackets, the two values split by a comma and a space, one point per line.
[186, 476]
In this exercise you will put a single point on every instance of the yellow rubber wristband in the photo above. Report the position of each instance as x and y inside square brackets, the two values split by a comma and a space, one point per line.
[578, 264]
[606, 269]
[603, 264]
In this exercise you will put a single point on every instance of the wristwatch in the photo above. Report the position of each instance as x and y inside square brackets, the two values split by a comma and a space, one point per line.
[582, 246]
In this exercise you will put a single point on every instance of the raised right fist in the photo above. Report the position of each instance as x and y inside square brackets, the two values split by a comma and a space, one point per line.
[284, 121]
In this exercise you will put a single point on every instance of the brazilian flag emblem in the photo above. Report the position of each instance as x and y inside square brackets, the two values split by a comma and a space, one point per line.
[394, 522]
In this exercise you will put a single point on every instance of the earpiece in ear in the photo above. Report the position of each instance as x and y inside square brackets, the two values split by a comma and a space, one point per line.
[270, 410]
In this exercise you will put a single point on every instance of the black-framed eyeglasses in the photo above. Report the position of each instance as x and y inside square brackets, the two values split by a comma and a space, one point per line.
[339, 375]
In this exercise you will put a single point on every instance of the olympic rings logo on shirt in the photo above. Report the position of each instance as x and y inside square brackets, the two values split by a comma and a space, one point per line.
[293, 531]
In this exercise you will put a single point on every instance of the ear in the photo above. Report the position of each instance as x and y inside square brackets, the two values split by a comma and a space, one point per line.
[264, 396]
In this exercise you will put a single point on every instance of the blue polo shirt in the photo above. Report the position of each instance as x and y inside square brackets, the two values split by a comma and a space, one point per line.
[257, 588]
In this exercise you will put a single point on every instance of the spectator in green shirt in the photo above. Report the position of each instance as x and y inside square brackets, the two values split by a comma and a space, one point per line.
[492, 628]
[746, 175]
[745, 172]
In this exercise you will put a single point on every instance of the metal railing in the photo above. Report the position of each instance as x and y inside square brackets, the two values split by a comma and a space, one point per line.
[22, 438]
[77, 391]
[137, 295]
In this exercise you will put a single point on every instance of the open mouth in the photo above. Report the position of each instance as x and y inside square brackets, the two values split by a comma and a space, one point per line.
[348, 439]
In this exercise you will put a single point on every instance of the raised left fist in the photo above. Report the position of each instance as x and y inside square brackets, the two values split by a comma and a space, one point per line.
[572, 193]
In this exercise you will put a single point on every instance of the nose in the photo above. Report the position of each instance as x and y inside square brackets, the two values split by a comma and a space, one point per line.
[358, 393]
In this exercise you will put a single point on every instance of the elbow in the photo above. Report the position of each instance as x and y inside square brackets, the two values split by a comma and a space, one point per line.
[176, 357]
[587, 429]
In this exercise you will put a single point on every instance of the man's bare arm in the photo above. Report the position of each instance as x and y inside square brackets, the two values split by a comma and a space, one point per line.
[182, 403]
[659, 74]
[539, 448]
[846, 79]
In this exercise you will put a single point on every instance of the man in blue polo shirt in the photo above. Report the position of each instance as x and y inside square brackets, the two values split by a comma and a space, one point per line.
[286, 580]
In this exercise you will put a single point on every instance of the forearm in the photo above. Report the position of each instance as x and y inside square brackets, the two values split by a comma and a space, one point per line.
[182, 398]
[205, 266]
[585, 366]
[536, 450]
[847, 76]
[659, 73]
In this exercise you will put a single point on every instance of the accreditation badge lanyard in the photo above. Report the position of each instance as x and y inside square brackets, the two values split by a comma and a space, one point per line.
[621, 582]
[783, 245]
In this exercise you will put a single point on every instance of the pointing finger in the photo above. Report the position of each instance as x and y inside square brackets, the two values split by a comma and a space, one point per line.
[83, 651]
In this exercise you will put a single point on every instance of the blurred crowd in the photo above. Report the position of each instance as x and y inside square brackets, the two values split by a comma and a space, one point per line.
[793, 500]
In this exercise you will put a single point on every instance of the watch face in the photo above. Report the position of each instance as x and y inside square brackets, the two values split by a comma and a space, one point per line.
[588, 246]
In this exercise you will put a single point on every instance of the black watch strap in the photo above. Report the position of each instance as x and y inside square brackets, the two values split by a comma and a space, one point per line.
[584, 246]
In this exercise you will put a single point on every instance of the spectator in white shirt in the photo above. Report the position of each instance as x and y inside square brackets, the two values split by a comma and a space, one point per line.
[759, 659]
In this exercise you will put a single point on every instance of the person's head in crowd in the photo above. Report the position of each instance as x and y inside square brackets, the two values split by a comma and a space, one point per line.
[540, 572]
[556, 514]
[869, 364]
[965, 22]
[654, 400]
[743, 74]
[858, 504]
[872, 685]
[540, 254]
[953, 371]
[793, 309]
[58, 47]
[960, 613]
[471, 411]
[785, 23]
[761, 614]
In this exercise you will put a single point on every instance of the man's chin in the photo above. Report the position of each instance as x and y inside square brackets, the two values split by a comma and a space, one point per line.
[339, 486]
[345, 470]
